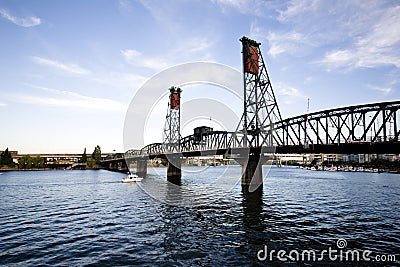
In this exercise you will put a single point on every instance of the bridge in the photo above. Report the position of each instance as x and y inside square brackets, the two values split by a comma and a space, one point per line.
[261, 132]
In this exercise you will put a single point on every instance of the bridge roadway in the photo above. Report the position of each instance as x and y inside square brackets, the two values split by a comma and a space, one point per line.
[346, 148]
[363, 129]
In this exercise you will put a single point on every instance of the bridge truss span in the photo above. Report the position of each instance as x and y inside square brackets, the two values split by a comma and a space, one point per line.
[329, 131]
[369, 128]
[373, 123]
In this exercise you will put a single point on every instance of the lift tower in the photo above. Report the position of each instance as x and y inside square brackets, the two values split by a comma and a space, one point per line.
[260, 107]
[172, 128]
[172, 135]
[260, 113]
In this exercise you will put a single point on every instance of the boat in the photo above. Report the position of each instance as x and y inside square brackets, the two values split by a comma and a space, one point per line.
[132, 178]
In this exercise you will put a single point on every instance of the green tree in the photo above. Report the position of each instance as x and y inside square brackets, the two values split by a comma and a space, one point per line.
[96, 155]
[84, 158]
[6, 158]
[25, 162]
[38, 162]
[90, 163]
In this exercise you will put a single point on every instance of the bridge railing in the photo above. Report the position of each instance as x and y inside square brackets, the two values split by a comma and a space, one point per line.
[205, 142]
[373, 123]
[366, 123]
[132, 153]
[215, 140]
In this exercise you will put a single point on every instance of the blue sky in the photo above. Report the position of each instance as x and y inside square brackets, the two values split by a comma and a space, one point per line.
[69, 69]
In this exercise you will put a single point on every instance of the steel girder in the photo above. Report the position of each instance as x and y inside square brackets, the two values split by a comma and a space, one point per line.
[377, 122]
[372, 123]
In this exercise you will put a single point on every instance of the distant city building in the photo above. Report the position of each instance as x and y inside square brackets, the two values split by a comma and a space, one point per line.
[359, 158]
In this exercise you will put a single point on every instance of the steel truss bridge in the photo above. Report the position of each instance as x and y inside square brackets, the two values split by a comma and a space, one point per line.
[369, 129]
[361, 129]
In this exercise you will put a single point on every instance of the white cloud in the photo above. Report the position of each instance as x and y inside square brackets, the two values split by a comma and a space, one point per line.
[61, 98]
[378, 47]
[129, 54]
[196, 48]
[290, 42]
[70, 68]
[287, 94]
[3, 104]
[192, 48]
[136, 58]
[194, 45]
[286, 90]
[182, 42]
[339, 58]
[383, 90]
[120, 80]
[23, 22]
[124, 5]
[295, 8]
[363, 33]
[253, 7]
[328, 21]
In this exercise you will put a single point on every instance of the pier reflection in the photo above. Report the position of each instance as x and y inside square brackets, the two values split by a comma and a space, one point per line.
[252, 204]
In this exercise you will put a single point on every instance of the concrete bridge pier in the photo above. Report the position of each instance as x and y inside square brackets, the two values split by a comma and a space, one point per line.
[124, 167]
[252, 178]
[141, 168]
[116, 165]
[174, 171]
[111, 166]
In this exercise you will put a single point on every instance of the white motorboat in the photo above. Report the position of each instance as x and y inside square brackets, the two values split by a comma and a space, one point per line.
[132, 178]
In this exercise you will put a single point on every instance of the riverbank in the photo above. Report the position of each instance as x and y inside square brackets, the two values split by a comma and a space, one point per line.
[350, 169]
[47, 169]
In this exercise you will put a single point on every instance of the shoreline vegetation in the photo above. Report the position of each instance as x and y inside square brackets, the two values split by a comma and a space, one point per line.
[49, 169]
[377, 165]
[38, 163]
[92, 162]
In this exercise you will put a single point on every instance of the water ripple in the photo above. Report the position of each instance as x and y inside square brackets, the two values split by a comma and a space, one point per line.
[74, 218]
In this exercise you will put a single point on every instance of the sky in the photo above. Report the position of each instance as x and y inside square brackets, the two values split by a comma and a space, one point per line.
[69, 69]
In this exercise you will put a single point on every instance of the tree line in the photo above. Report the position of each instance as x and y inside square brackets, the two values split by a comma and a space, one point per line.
[94, 159]
[6, 159]
[28, 162]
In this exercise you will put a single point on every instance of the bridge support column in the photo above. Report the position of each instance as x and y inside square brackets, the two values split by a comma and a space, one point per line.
[174, 171]
[124, 166]
[252, 178]
[113, 166]
[141, 168]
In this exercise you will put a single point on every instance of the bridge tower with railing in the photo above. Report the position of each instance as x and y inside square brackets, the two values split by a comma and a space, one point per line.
[260, 112]
[172, 128]
[172, 135]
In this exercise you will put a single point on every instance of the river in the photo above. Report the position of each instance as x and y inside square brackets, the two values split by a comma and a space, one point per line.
[77, 218]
